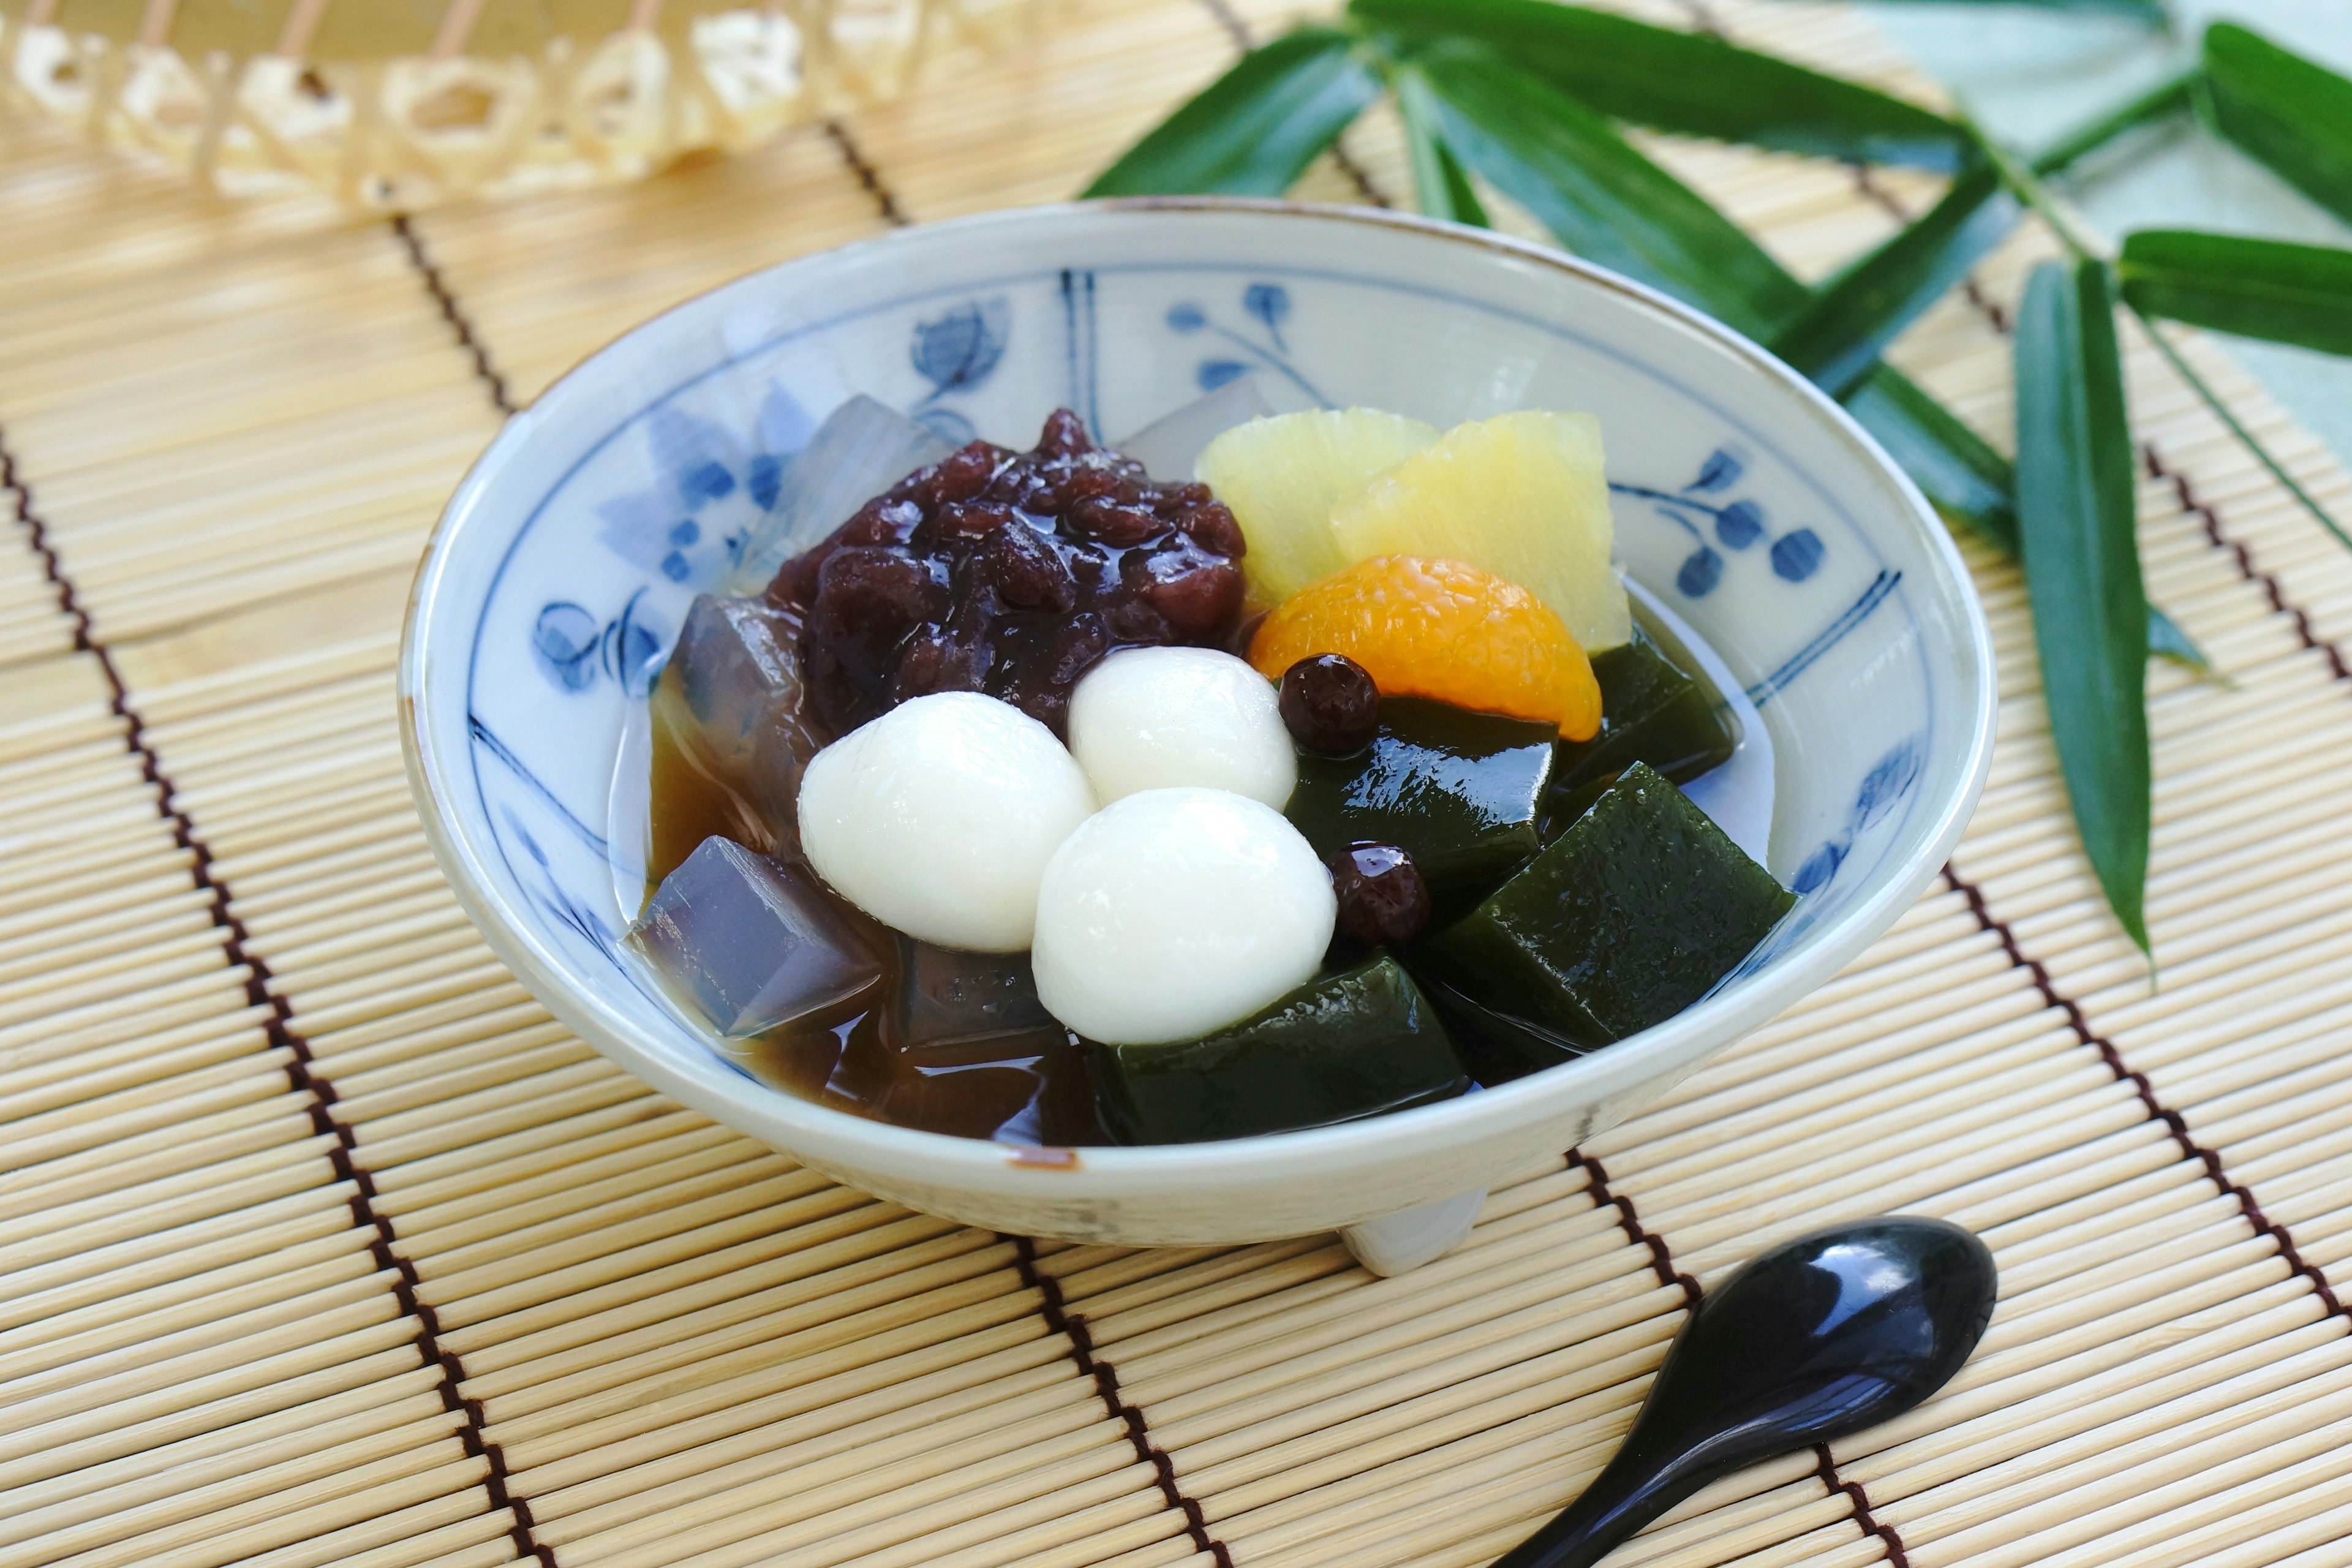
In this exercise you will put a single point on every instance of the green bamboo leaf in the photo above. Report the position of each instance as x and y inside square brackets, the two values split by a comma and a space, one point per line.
[1603, 200]
[1440, 183]
[1836, 339]
[1960, 474]
[2077, 522]
[2167, 642]
[2292, 114]
[2174, 95]
[1686, 82]
[2299, 294]
[1971, 485]
[1253, 130]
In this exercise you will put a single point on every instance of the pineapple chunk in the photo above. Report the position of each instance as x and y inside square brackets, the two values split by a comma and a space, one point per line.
[1520, 495]
[1283, 476]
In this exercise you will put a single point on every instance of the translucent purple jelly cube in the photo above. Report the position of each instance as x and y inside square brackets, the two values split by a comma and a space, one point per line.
[732, 693]
[735, 668]
[949, 998]
[862, 449]
[750, 944]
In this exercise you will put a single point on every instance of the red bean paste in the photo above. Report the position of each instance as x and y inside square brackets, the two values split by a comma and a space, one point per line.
[1012, 573]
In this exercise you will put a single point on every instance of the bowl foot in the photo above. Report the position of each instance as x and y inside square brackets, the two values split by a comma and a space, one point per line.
[1402, 1242]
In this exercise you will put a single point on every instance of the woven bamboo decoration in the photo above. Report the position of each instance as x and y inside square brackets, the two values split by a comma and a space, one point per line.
[357, 99]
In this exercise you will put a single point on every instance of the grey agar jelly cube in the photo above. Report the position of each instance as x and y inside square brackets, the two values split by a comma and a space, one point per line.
[749, 944]
[862, 449]
[1169, 445]
[736, 666]
[731, 693]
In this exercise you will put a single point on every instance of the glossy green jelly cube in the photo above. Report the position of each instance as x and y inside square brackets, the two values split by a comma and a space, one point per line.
[1462, 792]
[1495, 1045]
[1656, 706]
[1623, 920]
[1349, 1045]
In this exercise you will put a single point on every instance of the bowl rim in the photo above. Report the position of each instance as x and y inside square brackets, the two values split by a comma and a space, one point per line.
[823, 1136]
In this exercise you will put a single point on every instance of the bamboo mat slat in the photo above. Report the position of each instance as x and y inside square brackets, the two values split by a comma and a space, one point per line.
[321, 1243]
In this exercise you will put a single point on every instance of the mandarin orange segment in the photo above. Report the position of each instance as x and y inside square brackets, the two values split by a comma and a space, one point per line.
[1425, 627]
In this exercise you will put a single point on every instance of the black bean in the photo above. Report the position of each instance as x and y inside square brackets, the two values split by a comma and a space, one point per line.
[1329, 704]
[1382, 899]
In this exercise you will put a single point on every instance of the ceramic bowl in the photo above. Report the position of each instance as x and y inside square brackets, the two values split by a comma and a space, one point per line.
[1747, 503]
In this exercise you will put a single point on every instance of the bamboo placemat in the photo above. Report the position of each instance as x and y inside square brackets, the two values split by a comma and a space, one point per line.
[321, 1244]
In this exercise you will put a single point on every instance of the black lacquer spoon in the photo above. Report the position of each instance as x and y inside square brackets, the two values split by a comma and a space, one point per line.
[1817, 1339]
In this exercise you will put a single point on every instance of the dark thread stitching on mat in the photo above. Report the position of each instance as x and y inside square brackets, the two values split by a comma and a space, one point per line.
[867, 175]
[459, 321]
[2272, 590]
[1990, 307]
[301, 1070]
[1246, 40]
[2157, 1111]
[1826, 1470]
[1662, 1260]
[1359, 176]
[1231, 21]
[1072, 1326]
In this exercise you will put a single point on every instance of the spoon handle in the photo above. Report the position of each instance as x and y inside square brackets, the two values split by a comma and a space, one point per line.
[1621, 1500]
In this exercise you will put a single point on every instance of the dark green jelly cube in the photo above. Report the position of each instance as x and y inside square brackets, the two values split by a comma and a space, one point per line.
[1656, 708]
[1495, 1045]
[1623, 920]
[1462, 792]
[1567, 805]
[1350, 1045]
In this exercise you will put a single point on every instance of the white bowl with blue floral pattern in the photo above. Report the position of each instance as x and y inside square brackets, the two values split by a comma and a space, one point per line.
[1747, 504]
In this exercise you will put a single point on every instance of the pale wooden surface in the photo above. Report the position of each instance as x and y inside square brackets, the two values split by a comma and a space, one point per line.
[225, 1276]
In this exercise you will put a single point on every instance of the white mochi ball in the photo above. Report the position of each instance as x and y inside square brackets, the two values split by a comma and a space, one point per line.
[1158, 718]
[938, 818]
[1176, 911]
